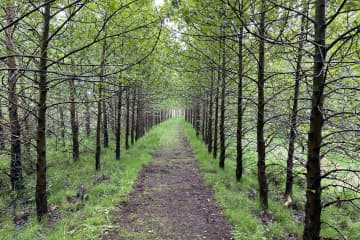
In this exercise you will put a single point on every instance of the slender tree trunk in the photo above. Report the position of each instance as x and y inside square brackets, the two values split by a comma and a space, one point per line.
[133, 105]
[139, 116]
[99, 110]
[105, 125]
[239, 149]
[87, 115]
[2, 133]
[206, 136]
[210, 119]
[193, 110]
[313, 178]
[197, 118]
[73, 121]
[118, 125]
[15, 144]
[127, 131]
[62, 124]
[203, 123]
[112, 120]
[293, 117]
[41, 195]
[216, 124]
[98, 128]
[222, 107]
[260, 114]
[28, 136]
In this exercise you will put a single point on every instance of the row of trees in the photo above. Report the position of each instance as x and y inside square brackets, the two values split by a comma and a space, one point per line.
[284, 73]
[80, 64]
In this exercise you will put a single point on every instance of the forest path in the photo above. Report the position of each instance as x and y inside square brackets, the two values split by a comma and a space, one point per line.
[169, 200]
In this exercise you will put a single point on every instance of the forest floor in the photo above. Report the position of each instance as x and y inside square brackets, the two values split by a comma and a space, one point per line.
[169, 200]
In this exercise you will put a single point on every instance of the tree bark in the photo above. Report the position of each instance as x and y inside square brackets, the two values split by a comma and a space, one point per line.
[260, 114]
[62, 124]
[118, 125]
[210, 118]
[216, 124]
[139, 116]
[105, 125]
[15, 144]
[99, 110]
[133, 106]
[127, 130]
[41, 195]
[197, 118]
[203, 119]
[293, 116]
[239, 149]
[313, 178]
[2, 133]
[222, 106]
[73, 121]
[87, 116]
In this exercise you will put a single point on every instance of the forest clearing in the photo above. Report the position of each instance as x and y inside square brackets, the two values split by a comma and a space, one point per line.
[180, 119]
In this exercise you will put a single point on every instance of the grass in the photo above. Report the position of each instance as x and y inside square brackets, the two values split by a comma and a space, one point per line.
[103, 190]
[241, 204]
[113, 183]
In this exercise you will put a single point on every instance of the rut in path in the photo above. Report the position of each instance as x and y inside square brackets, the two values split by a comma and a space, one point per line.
[169, 200]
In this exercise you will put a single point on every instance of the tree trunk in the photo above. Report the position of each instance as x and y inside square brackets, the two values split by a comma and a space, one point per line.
[210, 119]
[73, 121]
[15, 144]
[203, 123]
[206, 136]
[239, 149]
[139, 114]
[127, 131]
[105, 125]
[197, 118]
[260, 114]
[216, 124]
[118, 125]
[2, 133]
[293, 116]
[62, 124]
[313, 178]
[87, 115]
[41, 196]
[27, 135]
[222, 107]
[133, 106]
[99, 110]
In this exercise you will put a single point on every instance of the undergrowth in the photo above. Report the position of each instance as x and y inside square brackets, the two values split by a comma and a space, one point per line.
[241, 203]
[80, 199]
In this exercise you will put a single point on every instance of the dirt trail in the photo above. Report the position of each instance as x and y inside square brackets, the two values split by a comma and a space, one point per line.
[169, 200]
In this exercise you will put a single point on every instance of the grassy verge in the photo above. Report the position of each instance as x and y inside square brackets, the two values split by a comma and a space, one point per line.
[87, 218]
[240, 201]
[241, 204]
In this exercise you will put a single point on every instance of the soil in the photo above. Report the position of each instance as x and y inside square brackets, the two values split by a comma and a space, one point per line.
[170, 201]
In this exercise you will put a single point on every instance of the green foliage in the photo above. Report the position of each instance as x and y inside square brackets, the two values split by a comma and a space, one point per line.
[103, 190]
